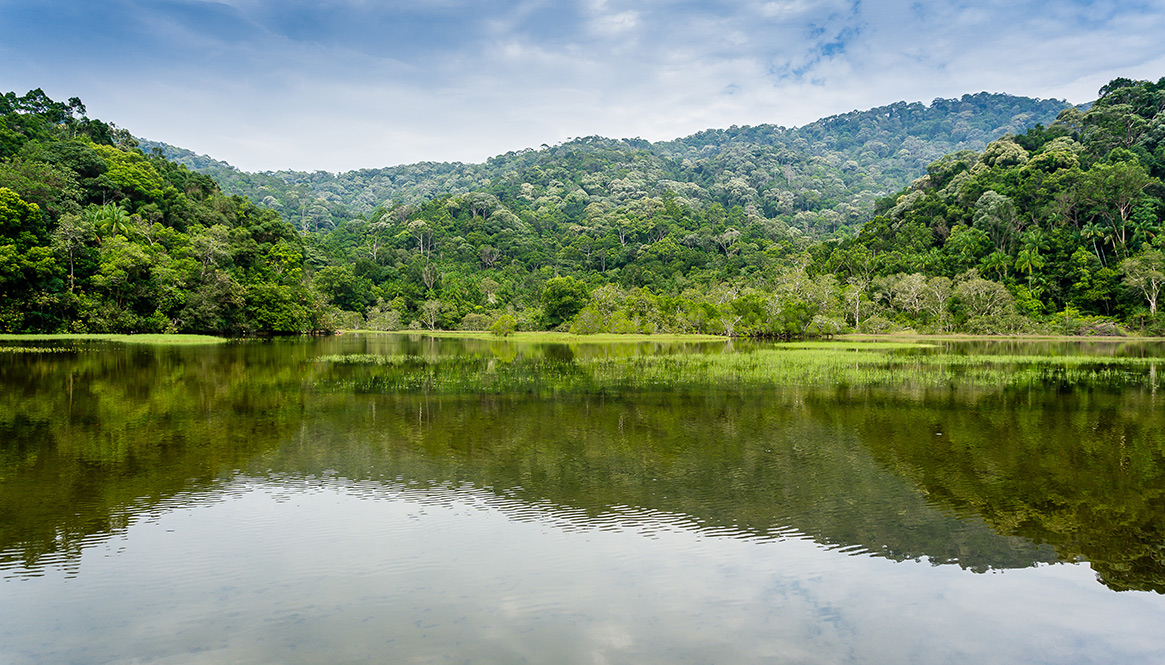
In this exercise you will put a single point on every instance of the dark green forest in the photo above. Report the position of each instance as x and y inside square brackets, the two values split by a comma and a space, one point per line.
[987, 214]
[96, 236]
[822, 178]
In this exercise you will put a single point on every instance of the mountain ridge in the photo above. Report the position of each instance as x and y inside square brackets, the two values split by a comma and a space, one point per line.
[888, 146]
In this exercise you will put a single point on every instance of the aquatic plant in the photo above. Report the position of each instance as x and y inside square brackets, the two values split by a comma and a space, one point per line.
[819, 365]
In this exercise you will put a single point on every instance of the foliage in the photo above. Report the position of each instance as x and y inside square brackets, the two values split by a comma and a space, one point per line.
[562, 298]
[504, 326]
[754, 231]
[1055, 214]
[819, 178]
[97, 236]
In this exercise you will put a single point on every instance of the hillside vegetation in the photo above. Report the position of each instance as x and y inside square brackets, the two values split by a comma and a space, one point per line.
[96, 236]
[1029, 215]
[820, 179]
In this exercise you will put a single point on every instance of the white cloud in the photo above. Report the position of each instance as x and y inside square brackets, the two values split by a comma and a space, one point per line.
[364, 84]
[614, 25]
[786, 10]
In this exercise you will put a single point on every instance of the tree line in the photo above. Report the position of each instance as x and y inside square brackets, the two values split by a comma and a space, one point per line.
[1050, 228]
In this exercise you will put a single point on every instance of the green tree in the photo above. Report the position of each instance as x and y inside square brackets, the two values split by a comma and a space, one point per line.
[986, 306]
[436, 314]
[27, 265]
[1114, 190]
[1145, 272]
[504, 326]
[111, 220]
[1029, 260]
[562, 298]
[53, 188]
[72, 235]
[344, 289]
[276, 308]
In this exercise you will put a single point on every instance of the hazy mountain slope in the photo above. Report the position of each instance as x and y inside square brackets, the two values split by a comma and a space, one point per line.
[820, 178]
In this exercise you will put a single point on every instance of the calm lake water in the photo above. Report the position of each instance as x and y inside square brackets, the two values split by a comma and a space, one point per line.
[439, 501]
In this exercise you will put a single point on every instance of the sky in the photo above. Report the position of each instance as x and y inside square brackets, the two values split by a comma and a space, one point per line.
[338, 85]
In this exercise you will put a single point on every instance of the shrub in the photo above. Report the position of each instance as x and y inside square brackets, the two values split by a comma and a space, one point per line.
[505, 325]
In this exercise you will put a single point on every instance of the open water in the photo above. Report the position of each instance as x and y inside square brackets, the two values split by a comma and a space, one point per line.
[248, 503]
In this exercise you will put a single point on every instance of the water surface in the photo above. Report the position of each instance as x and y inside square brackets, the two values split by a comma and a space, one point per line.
[250, 503]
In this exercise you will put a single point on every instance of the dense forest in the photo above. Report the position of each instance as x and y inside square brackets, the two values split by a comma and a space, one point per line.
[96, 236]
[822, 178]
[1004, 214]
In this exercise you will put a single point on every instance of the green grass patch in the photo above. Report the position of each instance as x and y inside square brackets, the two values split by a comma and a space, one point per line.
[854, 345]
[125, 339]
[547, 337]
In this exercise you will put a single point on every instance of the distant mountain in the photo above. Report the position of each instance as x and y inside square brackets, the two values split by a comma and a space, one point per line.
[821, 178]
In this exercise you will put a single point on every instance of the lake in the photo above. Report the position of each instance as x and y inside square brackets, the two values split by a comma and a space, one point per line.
[404, 498]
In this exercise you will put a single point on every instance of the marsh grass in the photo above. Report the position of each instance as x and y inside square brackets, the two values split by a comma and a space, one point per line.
[892, 366]
[547, 337]
[159, 339]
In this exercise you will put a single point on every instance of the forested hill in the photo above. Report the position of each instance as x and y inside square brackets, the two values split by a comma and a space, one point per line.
[820, 178]
[96, 236]
[745, 231]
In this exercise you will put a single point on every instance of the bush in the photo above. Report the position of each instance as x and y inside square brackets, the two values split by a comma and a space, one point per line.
[1071, 322]
[505, 325]
[621, 325]
[529, 319]
[1102, 326]
[1007, 324]
[825, 325]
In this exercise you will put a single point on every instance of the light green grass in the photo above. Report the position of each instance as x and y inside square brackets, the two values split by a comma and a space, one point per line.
[855, 345]
[125, 339]
[547, 337]
[966, 337]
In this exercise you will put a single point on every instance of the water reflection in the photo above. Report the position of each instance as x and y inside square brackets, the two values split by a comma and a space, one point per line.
[979, 479]
[757, 467]
[1109, 347]
[1082, 470]
[245, 503]
[296, 570]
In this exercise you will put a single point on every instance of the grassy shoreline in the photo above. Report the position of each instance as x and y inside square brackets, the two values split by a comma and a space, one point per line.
[963, 337]
[863, 338]
[545, 336]
[890, 340]
[165, 339]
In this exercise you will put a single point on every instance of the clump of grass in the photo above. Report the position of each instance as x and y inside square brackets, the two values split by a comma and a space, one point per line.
[855, 345]
[545, 337]
[36, 349]
[369, 359]
[125, 339]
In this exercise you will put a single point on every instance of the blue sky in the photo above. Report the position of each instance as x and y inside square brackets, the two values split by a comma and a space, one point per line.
[345, 84]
